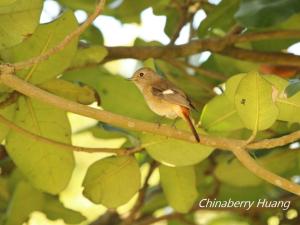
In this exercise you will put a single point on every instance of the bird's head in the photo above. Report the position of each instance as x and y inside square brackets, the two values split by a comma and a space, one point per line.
[144, 76]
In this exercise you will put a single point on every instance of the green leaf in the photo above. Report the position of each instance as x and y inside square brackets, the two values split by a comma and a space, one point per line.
[172, 21]
[8, 112]
[150, 63]
[47, 167]
[219, 63]
[154, 202]
[107, 131]
[292, 88]
[83, 95]
[179, 186]
[237, 193]
[18, 20]
[231, 86]
[264, 13]
[91, 55]
[6, 2]
[117, 94]
[54, 210]
[92, 36]
[175, 152]
[228, 220]
[4, 192]
[88, 5]
[254, 103]
[45, 37]
[112, 181]
[220, 19]
[219, 114]
[289, 108]
[129, 11]
[25, 200]
[234, 173]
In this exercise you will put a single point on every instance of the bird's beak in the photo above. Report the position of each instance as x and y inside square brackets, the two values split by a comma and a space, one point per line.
[129, 79]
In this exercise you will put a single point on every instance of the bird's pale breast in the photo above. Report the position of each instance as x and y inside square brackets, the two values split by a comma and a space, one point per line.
[161, 107]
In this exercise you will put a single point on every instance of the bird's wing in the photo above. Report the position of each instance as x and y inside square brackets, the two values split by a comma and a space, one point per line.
[170, 93]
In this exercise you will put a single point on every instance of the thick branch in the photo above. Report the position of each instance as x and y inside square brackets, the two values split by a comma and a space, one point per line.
[217, 45]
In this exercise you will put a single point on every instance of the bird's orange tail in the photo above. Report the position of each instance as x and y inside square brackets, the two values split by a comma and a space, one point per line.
[186, 114]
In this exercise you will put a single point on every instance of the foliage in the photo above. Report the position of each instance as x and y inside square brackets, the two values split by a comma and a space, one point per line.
[252, 105]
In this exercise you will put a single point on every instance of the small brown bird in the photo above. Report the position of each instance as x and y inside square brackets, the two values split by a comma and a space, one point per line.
[163, 97]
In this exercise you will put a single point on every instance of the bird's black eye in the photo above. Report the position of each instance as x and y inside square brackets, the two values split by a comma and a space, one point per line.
[141, 74]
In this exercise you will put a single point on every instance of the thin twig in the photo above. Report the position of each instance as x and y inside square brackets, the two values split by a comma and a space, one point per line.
[141, 198]
[39, 138]
[64, 42]
[264, 174]
[275, 142]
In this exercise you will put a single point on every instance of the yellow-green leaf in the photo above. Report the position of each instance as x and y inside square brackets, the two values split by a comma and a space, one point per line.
[91, 55]
[289, 108]
[83, 95]
[6, 2]
[47, 167]
[112, 181]
[254, 102]
[175, 152]
[117, 94]
[179, 186]
[54, 210]
[231, 86]
[24, 201]
[46, 37]
[219, 114]
[18, 20]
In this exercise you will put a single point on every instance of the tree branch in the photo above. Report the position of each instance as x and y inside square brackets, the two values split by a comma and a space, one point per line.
[64, 42]
[217, 45]
[264, 174]
[275, 142]
[278, 58]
